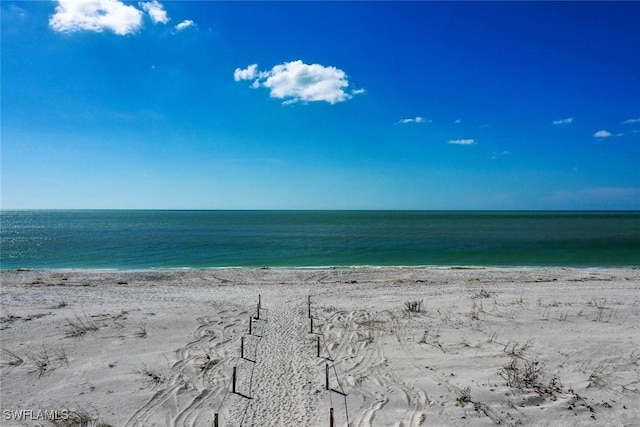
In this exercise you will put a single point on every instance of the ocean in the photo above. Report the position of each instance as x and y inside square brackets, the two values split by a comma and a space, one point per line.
[148, 239]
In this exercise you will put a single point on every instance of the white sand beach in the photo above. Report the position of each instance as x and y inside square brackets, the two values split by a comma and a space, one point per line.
[507, 346]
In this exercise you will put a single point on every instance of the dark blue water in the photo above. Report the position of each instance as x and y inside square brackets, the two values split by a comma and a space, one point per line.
[194, 239]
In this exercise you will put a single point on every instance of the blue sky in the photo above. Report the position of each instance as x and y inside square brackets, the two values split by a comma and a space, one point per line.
[320, 105]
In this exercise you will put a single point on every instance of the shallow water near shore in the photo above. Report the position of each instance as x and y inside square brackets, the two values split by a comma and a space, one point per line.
[129, 239]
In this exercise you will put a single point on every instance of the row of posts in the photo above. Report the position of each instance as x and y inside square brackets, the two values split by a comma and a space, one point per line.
[234, 374]
[326, 365]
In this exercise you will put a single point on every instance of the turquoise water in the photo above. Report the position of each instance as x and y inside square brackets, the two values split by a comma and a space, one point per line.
[194, 239]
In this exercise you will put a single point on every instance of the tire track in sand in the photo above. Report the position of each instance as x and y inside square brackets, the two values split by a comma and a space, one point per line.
[358, 340]
[197, 378]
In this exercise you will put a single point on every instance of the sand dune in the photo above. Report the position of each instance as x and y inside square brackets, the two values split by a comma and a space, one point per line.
[542, 346]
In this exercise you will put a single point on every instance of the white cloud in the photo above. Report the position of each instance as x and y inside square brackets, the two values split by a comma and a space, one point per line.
[631, 121]
[498, 154]
[14, 11]
[300, 81]
[185, 24]
[296, 81]
[602, 134]
[357, 91]
[457, 121]
[249, 73]
[96, 15]
[417, 119]
[470, 141]
[156, 11]
[563, 121]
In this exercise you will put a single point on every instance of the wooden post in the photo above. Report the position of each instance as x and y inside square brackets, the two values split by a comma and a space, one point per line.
[259, 300]
[309, 305]
[242, 347]
[311, 324]
[215, 420]
[250, 322]
[233, 381]
[318, 345]
[258, 312]
[330, 417]
[326, 375]
[309, 311]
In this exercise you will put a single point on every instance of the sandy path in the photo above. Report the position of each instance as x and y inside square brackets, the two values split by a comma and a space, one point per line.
[285, 379]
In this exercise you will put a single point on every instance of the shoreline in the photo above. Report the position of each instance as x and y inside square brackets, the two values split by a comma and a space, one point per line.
[149, 347]
[327, 267]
